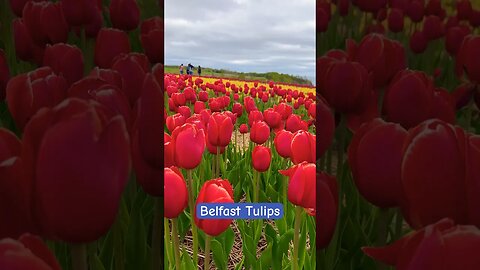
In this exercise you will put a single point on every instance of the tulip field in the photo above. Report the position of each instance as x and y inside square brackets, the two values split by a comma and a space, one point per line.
[401, 78]
[231, 141]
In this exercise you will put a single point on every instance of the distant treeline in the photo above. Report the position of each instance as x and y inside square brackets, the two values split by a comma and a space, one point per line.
[268, 76]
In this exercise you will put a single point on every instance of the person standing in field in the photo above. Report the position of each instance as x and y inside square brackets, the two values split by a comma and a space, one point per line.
[181, 69]
[199, 70]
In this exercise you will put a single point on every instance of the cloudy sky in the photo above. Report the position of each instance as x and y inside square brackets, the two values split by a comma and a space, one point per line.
[242, 35]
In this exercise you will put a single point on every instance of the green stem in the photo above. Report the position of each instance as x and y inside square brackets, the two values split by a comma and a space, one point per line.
[255, 185]
[79, 256]
[296, 236]
[176, 243]
[191, 202]
[157, 255]
[207, 252]
[167, 242]
[382, 232]
[218, 161]
[398, 224]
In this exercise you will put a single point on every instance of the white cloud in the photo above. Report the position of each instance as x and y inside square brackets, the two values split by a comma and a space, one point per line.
[242, 35]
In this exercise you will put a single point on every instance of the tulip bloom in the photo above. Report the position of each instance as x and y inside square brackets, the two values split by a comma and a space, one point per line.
[146, 147]
[29, 252]
[466, 61]
[325, 126]
[219, 129]
[133, 67]
[214, 191]
[283, 141]
[15, 210]
[327, 208]
[418, 42]
[272, 118]
[243, 128]
[175, 193]
[124, 14]
[303, 147]
[198, 107]
[379, 145]
[259, 132]
[76, 197]
[80, 12]
[152, 39]
[175, 121]
[45, 22]
[189, 144]
[65, 60]
[109, 44]
[28, 93]
[421, 249]
[395, 20]
[301, 184]
[261, 158]
[254, 116]
[25, 48]
[295, 123]
[382, 57]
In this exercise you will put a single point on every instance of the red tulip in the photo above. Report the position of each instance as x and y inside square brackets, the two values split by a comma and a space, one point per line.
[133, 67]
[284, 110]
[152, 39]
[395, 20]
[198, 107]
[45, 22]
[343, 6]
[214, 191]
[301, 184]
[146, 147]
[442, 245]
[176, 194]
[237, 109]
[4, 75]
[475, 18]
[203, 96]
[80, 12]
[111, 76]
[371, 5]
[432, 176]
[327, 207]
[15, 210]
[408, 100]
[272, 118]
[77, 196]
[322, 19]
[25, 48]
[466, 61]
[249, 104]
[464, 9]
[261, 158]
[416, 11]
[254, 116]
[17, 6]
[283, 141]
[168, 151]
[190, 95]
[109, 44]
[124, 14]
[189, 144]
[232, 116]
[378, 145]
[434, 7]
[295, 123]
[382, 57]
[219, 129]
[418, 42]
[345, 85]
[28, 93]
[29, 252]
[303, 147]
[175, 121]
[463, 94]
[65, 60]
[433, 27]
[454, 38]
[114, 100]
[185, 111]
[243, 128]
[259, 132]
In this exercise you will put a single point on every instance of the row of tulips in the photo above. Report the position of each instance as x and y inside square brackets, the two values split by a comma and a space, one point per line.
[201, 121]
[402, 80]
[80, 101]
